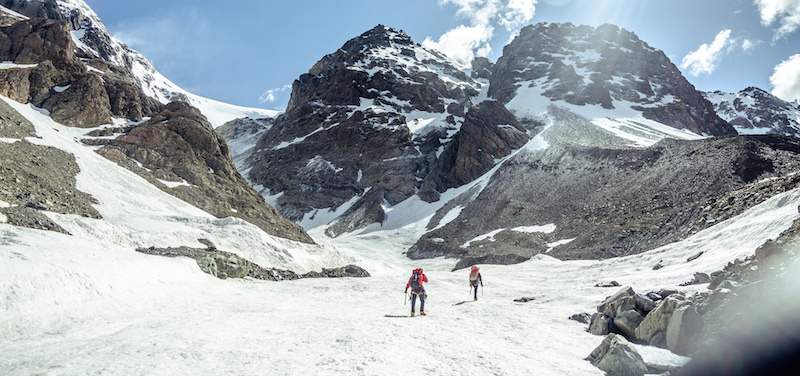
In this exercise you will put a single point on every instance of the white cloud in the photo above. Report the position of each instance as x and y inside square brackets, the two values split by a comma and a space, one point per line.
[785, 80]
[706, 58]
[462, 43]
[465, 41]
[274, 95]
[785, 12]
[748, 45]
[518, 13]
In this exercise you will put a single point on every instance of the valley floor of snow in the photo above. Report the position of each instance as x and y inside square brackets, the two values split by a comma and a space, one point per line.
[87, 303]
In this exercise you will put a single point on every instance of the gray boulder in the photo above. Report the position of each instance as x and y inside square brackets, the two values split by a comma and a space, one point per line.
[659, 318]
[618, 300]
[223, 265]
[700, 278]
[684, 325]
[643, 303]
[600, 324]
[627, 321]
[617, 357]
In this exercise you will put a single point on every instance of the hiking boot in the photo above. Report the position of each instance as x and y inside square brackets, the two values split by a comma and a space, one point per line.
[476, 299]
[412, 314]
[422, 313]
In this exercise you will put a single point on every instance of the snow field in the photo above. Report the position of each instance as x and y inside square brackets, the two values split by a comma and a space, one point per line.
[89, 304]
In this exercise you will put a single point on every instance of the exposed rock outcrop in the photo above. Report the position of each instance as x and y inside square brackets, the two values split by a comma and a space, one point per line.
[51, 76]
[608, 203]
[380, 120]
[97, 46]
[225, 265]
[36, 178]
[179, 145]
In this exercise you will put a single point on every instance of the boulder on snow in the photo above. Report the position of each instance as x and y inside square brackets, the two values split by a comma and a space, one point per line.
[341, 272]
[616, 356]
[583, 318]
[600, 324]
[643, 303]
[700, 278]
[684, 325]
[627, 321]
[607, 284]
[223, 265]
[659, 318]
[613, 300]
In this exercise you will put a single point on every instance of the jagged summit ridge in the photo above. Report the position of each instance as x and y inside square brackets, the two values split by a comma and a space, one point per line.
[373, 124]
[605, 66]
[755, 111]
[388, 69]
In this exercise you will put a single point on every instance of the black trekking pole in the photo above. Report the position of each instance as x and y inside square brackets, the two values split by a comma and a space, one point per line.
[481, 289]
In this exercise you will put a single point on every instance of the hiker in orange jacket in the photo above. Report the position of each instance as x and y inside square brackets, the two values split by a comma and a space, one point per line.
[415, 282]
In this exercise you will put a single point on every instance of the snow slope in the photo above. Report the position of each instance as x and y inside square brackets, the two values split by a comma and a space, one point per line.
[88, 304]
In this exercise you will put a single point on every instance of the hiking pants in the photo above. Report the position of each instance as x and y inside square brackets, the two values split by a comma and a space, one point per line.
[421, 294]
[476, 290]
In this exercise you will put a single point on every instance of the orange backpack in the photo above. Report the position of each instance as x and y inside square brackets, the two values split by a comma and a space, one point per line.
[473, 274]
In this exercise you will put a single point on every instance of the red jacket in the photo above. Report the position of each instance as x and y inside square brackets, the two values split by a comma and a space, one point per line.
[422, 278]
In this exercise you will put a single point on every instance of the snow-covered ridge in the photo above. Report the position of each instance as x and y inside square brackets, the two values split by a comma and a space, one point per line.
[754, 111]
[91, 38]
[389, 56]
[605, 75]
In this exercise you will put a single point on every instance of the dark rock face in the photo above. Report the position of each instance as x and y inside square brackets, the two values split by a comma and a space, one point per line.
[612, 203]
[344, 77]
[99, 46]
[369, 122]
[586, 66]
[482, 68]
[60, 82]
[39, 39]
[753, 110]
[84, 104]
[489, 132]
[178, 144]
[7, 18]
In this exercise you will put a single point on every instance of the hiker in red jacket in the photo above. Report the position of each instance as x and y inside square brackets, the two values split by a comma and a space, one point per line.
[415, 282]
[474, 279]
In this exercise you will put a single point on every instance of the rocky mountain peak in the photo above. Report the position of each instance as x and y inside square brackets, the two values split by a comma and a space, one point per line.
[380, 36]
[376, 122]
[385, 66]
[605, 66]
[755, 111]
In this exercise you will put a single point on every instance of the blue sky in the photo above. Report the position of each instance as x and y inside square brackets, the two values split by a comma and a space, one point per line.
[247, 52]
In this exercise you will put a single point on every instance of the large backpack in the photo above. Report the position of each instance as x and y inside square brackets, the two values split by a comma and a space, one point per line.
[415, 281]
[473, 274]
